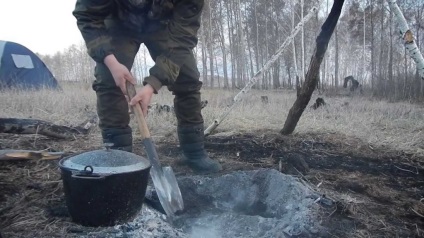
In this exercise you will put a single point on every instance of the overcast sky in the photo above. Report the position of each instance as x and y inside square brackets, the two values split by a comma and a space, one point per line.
[44, 26]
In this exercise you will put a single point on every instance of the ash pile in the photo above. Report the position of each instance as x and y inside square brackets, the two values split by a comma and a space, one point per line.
[259, 203]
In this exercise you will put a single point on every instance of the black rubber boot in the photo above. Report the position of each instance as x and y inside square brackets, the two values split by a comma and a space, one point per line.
[121, 138]
[192, 144]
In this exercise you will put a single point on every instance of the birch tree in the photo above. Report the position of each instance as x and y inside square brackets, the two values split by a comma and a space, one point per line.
[210, 45]
[302, 5]
[408, 38]
[221, 36]
[294, 50]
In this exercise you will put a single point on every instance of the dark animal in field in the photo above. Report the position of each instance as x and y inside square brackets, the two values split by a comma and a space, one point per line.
[354, 84]
[318, 103]
[204, 103]
[264, 99]
[158, 108]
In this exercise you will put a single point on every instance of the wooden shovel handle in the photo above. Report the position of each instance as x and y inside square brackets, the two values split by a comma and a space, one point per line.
[141, 121]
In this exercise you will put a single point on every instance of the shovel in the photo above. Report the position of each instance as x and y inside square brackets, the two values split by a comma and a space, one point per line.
[164, 180]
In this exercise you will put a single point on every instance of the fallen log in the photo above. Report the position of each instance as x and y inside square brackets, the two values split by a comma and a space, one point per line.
[11, 155]
[34, 126]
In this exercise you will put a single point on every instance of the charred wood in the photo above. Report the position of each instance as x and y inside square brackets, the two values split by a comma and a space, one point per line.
[34, 126]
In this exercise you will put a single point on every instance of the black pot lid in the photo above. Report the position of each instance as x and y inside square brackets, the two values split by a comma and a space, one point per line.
[106, 161]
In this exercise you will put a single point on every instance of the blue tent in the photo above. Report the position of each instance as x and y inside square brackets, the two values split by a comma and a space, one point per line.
[21, 68]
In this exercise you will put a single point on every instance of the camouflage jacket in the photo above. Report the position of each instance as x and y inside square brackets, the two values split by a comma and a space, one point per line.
[95, 18]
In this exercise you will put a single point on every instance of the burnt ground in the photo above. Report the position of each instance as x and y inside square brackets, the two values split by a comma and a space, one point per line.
[378, 192]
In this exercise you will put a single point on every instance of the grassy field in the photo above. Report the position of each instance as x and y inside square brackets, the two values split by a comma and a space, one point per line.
[363, 153]
[397, 126]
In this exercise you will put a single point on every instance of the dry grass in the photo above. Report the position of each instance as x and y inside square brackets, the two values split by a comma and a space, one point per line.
[393, 125]
[350, 123]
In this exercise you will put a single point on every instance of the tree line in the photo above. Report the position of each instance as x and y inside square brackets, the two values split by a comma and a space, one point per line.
[237, 37]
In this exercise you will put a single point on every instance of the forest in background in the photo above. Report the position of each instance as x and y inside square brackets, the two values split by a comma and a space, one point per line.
[238, 37]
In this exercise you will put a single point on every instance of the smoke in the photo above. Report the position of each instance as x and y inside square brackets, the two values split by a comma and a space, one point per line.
[204, 232]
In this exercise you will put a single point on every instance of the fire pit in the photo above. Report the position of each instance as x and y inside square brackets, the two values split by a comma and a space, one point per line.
[260, 203]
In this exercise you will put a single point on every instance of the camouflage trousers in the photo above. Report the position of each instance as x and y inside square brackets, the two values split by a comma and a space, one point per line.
[112, 106]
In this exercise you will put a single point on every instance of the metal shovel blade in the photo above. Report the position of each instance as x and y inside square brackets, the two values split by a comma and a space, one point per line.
[165, 183]
[167, 190]
[176, 198]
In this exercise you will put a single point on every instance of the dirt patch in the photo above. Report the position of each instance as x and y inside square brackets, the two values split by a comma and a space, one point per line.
[376, 192]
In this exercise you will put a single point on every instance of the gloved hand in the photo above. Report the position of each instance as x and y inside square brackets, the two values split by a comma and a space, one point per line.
[143, 96]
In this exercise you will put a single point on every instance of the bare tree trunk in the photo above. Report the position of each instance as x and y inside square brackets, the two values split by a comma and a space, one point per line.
[290, 82]
[391, 79]
[302, 5]
[311, 80]
[296, 71]
[242, 46]
[223, 48]
[405, 74]
[364, 62]
[420, 83]
[217, 72]
[380, 56]
[336, 63]
[266, 74]
[210, 46]
[249, 47]
[373, 84]
[323, 74]
[230, 27]
[328, 56]
[257, 49]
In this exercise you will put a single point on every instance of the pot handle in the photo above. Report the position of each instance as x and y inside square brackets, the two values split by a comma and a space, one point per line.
[87, 173]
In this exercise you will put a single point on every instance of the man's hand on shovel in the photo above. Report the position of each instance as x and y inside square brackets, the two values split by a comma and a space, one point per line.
[120, 73]
[143, 96]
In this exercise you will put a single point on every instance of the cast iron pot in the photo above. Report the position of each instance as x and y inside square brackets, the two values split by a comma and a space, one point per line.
[104, 187]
